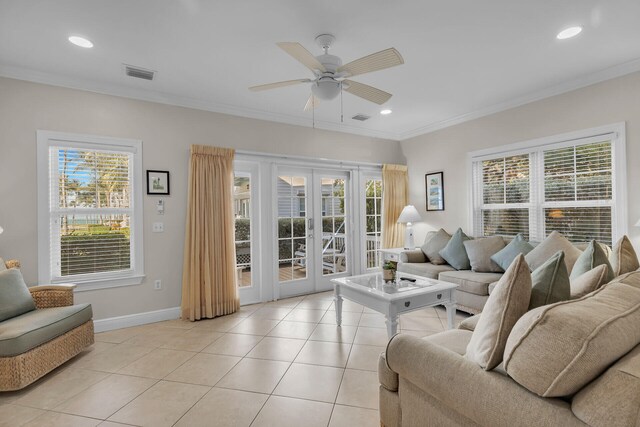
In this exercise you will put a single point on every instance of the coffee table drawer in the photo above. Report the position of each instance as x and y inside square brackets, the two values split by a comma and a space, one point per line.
[417, 302]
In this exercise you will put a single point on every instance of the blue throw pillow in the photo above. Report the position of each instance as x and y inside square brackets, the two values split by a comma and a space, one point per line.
[517, 246]
[454, 253]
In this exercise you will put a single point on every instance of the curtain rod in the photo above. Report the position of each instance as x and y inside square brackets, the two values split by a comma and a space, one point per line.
[306, 158]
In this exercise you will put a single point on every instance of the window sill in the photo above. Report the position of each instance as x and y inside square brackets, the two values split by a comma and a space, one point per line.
[101, 283]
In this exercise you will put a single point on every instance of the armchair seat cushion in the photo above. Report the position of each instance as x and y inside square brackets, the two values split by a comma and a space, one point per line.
[425, 269]
[27, 331]
[471, 281]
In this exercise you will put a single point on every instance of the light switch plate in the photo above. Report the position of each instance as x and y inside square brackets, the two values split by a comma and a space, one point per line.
[158, 227]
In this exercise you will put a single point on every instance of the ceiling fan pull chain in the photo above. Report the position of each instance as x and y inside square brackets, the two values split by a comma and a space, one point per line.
[313, 111]
[341, 106]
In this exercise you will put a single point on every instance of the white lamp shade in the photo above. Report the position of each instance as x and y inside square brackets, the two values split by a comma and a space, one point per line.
[1, 230]
[409, 214]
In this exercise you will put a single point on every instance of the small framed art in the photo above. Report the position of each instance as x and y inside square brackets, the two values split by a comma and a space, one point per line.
[434, 183]
[158, 183]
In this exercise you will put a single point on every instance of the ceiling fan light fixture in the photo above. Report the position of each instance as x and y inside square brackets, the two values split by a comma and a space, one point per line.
[568, 33]
[81, 42]
[386, 112]
[326, 89]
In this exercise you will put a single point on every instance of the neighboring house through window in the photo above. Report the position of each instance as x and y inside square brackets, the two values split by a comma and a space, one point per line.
[90, 210]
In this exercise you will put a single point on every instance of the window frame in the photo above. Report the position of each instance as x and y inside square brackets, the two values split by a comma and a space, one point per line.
[616, 133]
[134, 276]
[369, 175]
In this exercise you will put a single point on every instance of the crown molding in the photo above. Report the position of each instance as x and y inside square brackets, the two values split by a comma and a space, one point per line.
[568, 86]
[52, 79]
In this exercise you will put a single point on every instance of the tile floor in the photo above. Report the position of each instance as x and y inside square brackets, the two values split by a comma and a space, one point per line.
[283, 363]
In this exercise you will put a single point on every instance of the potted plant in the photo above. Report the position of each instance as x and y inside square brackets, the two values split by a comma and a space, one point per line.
[389, 271]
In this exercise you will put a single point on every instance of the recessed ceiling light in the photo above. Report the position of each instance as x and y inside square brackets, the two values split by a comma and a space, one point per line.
[385, 112]
[569, 32]
[80, 41]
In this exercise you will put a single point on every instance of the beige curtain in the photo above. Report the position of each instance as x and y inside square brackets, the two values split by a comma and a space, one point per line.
[208, 277]
[395, 196]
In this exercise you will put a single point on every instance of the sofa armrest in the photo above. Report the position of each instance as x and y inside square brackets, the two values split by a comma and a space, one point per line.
[470, 323]
[48, 296]
[486, 397]
[413, 256]
[388, 379]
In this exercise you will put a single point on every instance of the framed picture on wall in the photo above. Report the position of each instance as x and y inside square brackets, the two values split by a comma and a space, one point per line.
[158, 182]
[434, 184]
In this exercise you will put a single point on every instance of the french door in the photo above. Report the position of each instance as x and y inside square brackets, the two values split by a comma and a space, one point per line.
[312, 212]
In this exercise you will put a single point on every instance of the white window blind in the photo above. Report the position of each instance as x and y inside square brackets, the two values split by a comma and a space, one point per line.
[92, 225]
[567, 186]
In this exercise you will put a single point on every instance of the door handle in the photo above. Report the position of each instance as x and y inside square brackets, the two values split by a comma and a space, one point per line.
[310, 226]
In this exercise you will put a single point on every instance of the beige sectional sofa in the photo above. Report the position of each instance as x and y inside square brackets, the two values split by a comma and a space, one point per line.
[429, 381]
[473, 288]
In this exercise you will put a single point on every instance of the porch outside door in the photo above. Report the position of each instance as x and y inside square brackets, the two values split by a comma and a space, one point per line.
[313, 208]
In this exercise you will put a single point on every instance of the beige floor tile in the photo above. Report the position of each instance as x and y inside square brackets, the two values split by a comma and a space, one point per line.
[371, 336]
[257, 375]
[227, 407]
[287, 302]
[348, 318]
[246, 310]
[299, 330]
[156, 337]
[349, 306]
[112, 424]
[315, 304]
[14, 415]
[349, 416]
[118, 336]
[254, 326]
[324, 353]
[442, 313]
[192, 340]
[272, 313]
[272, 348]
[287, 412]
[372, 320]
[319, 295]
[219, 324]
[113, 359]
[162, 405]
[233, 344]
[106, 397]
[334, 333]
[176, 323]
[422, 323]
[59, 387]
[302, 315]
[368, 310]
[359, 388]
[157, 364]
[56, 419]
[204, 369]
[364, 357]
[311, 382]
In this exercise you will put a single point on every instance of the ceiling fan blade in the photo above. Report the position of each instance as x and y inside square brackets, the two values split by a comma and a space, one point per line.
[312, 103]
[302, 55]
[278, 84]
[367, 92]
[376, 61]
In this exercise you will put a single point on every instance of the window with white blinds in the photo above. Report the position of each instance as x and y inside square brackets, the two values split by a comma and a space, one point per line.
[93, 194]
[575, 187]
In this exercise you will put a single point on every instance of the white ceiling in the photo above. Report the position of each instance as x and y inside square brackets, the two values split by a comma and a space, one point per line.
[463, 58]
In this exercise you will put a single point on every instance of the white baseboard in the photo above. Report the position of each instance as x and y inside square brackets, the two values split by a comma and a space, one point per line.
[103, 325]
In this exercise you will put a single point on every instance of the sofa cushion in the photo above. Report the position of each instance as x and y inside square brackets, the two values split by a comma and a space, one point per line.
[15, 298]
[623, 257]
[550, 282]
[480, 252]
[413, 255]
[557, 349]
[22, 333]
[506, 255]
[631, 279]
[470, 281]
[592, 257]
[433, 244]
[454, 252]
[425, 269]
[548, 247]
[508, 302]
[455, 340]
[492, 286]
[588, 282]
[470, 323]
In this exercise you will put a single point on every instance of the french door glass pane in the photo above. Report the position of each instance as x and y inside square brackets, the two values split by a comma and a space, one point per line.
[373, 220]
[333, 226]
[242, 211]
[292, 228]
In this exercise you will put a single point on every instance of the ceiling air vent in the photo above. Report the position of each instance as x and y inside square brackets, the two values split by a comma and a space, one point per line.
[138, 73]
[361, 117]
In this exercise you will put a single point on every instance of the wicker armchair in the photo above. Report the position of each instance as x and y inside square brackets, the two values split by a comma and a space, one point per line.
[18, 371]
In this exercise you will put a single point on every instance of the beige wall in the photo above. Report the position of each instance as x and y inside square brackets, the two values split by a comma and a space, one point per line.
[613, 101]
[166, 132]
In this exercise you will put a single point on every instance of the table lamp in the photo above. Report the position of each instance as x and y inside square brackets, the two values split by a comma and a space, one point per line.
[408, 216]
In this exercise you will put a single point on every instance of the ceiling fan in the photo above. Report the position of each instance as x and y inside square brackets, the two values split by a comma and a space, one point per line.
[331, 76]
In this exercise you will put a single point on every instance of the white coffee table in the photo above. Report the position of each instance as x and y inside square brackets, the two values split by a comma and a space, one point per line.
[394, 298]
